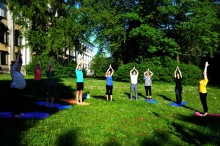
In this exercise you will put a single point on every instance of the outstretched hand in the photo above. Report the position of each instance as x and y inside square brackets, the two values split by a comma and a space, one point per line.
[206, 64]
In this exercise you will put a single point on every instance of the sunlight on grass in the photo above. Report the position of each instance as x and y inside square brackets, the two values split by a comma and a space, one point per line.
[125, 122]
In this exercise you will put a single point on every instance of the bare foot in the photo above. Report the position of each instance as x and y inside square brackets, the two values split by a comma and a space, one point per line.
[205, 114]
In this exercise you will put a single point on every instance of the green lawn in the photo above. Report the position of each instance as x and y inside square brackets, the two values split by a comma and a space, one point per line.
[120, 122]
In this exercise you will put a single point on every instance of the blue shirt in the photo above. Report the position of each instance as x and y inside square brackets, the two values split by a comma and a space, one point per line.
[109, 80]
[79, 75]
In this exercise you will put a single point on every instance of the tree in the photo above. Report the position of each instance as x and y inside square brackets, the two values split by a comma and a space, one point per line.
[174, 28]
[100, 63]
[51, 26]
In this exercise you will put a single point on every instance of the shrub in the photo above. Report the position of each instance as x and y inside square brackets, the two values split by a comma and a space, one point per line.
[163, 70]
[63, 69]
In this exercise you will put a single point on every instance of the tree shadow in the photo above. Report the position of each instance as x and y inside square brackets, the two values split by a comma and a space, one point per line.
[68, 138]
[11, 129]
[159, 137]
[165, 97]
[189, 135]
[210, 136]
[112, 142]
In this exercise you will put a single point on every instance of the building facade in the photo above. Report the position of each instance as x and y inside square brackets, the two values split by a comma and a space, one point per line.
[11, 41]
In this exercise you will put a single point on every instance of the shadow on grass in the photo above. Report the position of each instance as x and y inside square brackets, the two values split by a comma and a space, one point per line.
[11, 129]
[100, 97]
[207, 131]
[158, 137]
[68, 138]
[210, 135]
[165, 97]
[112, 142]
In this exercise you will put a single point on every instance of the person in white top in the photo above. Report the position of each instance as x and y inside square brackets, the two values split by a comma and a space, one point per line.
[17, 85]
[148, 83]
[134, 80]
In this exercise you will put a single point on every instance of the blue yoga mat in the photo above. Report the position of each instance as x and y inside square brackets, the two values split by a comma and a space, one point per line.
[178, 105]
[55, 105]
[26, 115]
[151, 101]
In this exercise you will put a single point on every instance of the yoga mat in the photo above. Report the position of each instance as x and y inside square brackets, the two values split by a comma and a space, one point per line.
[55, 105]
[26, 115]
[83, 103]
[71, 101]
[198, 114]
[151, 101]
[6, 115]
[178, 105]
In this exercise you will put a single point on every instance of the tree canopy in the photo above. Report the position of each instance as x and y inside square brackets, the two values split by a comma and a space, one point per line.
[185, 30]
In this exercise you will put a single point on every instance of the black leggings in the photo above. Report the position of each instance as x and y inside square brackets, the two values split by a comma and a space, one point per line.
[109, 90]
[178, 95]
[204, 102]
[148, 90]
[17, 101]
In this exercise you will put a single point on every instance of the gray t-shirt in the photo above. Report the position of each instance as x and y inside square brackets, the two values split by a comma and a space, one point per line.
[18, 80]
[147, 80]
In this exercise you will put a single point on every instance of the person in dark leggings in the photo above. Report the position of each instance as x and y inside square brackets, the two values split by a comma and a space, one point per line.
[203, 91]
[148, 83]
[51, 81]
[17, 86]
[178, 87]
[109, 82]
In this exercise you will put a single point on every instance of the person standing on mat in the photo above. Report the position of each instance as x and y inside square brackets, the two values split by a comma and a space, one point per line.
[148, 83]
[17, 86]
[109, 82]
[51, 81]
[37, 80]
[79, 83]
[134, 80]
[203, 91]
[178, 87]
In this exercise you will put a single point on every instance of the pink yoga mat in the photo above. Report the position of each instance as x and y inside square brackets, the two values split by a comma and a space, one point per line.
[211, 115]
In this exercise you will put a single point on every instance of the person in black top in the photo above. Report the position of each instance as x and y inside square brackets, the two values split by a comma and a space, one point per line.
[178, 87]
[50, 84]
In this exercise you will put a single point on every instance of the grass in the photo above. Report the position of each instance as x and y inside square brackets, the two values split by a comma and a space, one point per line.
[120, 122]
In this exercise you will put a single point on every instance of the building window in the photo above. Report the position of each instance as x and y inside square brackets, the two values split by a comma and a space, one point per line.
[17, 38]
[3, 56]
[2, 10]
[6, 38]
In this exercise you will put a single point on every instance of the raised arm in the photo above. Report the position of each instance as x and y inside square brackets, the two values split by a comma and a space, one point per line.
[132, 71]
[111, 69]
[151, 73]
[205, 70]
[136, 71]
[145, 72]
[175, 72]
[18, 58]
[180, 72]
[106, 73]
